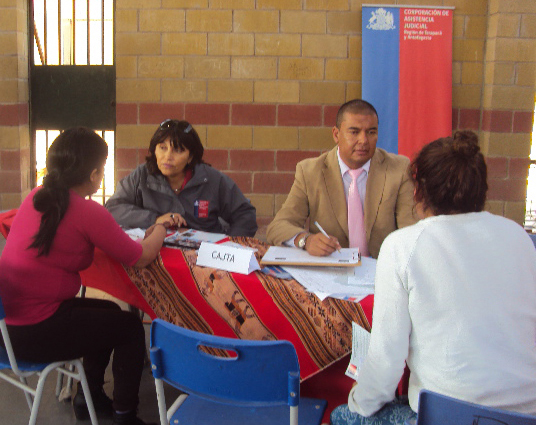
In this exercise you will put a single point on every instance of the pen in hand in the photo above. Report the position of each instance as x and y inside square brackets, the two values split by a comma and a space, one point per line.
[324, 232]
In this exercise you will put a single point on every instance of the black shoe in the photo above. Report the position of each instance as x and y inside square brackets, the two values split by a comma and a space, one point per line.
[101, 402]
[128, 418]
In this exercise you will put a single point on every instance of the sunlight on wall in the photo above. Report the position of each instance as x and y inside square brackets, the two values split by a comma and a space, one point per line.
[530, 216]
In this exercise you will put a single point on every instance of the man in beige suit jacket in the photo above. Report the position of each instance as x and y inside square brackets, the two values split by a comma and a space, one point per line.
[319, 194]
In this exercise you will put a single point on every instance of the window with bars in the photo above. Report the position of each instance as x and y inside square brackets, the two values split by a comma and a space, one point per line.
[530, 211]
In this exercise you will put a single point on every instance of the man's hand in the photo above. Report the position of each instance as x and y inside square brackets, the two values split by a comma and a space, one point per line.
[319, 245]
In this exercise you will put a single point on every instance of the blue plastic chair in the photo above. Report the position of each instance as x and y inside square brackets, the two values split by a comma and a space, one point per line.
[22, 370]
[437, 409]
[258, 383]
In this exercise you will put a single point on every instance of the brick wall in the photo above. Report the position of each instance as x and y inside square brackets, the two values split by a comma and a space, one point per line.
[14, 132]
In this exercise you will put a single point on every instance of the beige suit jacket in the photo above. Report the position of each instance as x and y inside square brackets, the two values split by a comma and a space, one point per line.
[318, 195]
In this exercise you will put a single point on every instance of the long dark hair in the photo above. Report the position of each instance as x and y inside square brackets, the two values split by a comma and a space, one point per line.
[450, 175]
[182, 136]
[71, 159]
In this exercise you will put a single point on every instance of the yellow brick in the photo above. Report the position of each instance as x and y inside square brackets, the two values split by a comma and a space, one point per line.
[500, 73]
[316, 138]
[472, 73]
[162, 20]
[303, 22]
[277, 44]
[11, 200]
[8, 43]
[209, 20]
[184, 4]
[326, 4]
[126, 20]
[528, 26]
[301, 69]
[137, 90]
[134, 136]
[464, 96]
[184, 91]
[276, 91]
[224, 136]
[494, 207]
[8, 3]
[9, 137]
[137, 4]
[230, 44]
[232, 4]
[467, 50]
[515, 50]
[343, 69]
[526, 74]
[279, 4]
[279, 201]
[322, 93]
[504, 25]
[456, 73]
[137, 44]
[325, 46]
[23, 91]
[8, 20]
[184, 44]
[458, 26]
[264, 204]
[515, 211]
[509, 97]
[275, 138]
[516, 145]
[353, 91]
[344, 22]
[254, 68]
[256, 21]
[126, 66]
[464, 7]
[475, 26]
[160, 66]
[9, 67]
[9, 92]
[513, 6]
[354, 46]
[230, 91]
[207, 67]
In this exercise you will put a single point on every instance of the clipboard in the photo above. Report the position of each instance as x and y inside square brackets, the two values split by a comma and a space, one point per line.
[287, 256]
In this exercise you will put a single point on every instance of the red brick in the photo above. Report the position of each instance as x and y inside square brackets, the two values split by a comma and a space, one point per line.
[469, 119]
[10, 181]
[253, 114]
[203, 113]
[497, 167]
[287, 160]
[120, 174]
[519, 168]
[523, 122]
[507, 190]
[330, 115]
[10, 160]
[24, 113]
[155, 113]
[497, 121]
[455, 118]
[9, 114]
[299, 115]
[126, 113]
[242, 180]
[126, 159]
[218, 158]
[142, 153]
[272, 182]
[252, 160]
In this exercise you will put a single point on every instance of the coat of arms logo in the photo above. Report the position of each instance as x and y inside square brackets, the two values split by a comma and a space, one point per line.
[381, 19]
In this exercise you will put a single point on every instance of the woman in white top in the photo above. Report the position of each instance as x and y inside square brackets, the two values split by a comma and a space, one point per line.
[455, 298]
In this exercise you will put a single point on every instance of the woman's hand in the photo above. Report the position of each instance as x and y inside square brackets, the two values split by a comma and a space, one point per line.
[174, 220]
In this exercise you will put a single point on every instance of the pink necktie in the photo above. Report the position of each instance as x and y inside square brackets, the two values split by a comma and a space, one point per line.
[356, 219]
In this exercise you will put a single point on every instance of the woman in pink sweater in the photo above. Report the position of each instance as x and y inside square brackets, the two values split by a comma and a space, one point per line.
[52, 239]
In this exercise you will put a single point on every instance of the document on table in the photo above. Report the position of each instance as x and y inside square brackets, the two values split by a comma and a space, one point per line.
[360, 346]
[347, 283]
[192, 238]
[281, 256]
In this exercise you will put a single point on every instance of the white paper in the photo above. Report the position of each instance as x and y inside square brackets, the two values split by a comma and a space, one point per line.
[360, 346]
[194, 236]
[283, 255]
[135, 234]
[220, 256]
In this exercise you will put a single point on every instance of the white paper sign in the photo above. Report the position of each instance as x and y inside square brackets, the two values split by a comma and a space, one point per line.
[225, 257]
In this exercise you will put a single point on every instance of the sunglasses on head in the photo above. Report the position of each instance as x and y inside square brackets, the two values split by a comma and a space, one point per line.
[172, 123]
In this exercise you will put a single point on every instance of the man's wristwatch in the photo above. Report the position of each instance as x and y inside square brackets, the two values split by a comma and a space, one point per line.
[303, 240]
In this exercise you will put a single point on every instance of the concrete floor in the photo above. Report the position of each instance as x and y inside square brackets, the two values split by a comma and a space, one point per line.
[14, 410]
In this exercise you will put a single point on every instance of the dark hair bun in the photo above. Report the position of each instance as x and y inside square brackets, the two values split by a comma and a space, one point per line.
[465, 144]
